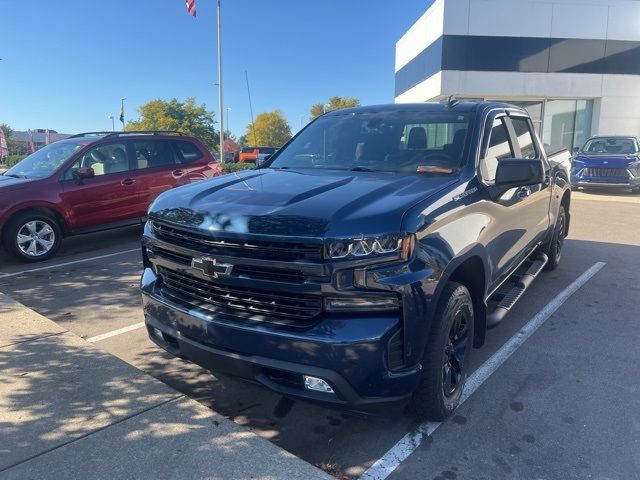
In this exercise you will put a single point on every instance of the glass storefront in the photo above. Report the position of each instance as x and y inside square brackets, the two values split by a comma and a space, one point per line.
[560, 122]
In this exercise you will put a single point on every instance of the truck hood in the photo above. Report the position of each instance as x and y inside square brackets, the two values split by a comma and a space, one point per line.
[606, 161]
[327, 204]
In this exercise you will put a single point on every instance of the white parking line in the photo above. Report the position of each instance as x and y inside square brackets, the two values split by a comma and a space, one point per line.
[384, 466]
[58, 265]
[113, 333]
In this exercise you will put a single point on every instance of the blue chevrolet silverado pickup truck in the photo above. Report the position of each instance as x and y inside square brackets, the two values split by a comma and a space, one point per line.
[361, 263]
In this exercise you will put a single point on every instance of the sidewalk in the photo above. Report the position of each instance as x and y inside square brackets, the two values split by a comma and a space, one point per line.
[69, 410]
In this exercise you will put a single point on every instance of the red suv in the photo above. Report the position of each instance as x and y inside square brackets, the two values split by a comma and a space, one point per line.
[93, 181]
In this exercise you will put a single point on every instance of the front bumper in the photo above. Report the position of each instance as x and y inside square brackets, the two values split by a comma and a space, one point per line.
[350, 352]
[609, 182]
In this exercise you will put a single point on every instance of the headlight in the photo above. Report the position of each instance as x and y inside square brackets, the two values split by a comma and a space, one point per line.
[396, 243]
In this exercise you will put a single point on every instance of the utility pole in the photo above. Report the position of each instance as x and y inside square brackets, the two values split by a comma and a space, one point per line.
[220, 100]
[253, 125]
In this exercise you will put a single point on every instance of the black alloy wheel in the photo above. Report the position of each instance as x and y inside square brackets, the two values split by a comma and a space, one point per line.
[453, 365]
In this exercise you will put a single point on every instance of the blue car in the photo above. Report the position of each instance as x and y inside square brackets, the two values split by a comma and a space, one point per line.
[607, 162]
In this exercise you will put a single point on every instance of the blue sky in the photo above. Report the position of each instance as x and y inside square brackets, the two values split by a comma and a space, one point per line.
[66, 63]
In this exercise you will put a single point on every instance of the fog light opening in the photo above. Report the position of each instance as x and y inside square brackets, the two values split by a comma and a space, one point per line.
[316, 384]
[158, 333]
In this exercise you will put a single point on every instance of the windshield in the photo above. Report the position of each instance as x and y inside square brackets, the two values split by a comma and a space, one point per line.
[395, 141]
[45, 161]
[613, 145]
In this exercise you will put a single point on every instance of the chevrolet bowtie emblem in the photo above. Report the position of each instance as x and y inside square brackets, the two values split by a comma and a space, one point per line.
[211, 268]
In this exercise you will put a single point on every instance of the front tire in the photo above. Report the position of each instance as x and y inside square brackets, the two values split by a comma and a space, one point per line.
[444, 365]
[554, 248]
[32, 236]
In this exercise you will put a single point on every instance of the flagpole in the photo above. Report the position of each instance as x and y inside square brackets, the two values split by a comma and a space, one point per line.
[220, 102]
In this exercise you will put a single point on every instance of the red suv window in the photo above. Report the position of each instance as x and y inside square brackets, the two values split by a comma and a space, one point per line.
[187, 151]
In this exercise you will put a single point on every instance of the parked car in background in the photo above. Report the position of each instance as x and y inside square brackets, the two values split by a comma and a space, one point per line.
[362, 262]
[611, 161]
[93, 181]
[250, 154]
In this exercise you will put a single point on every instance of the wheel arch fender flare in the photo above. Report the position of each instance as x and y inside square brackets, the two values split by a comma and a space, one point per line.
[49, 209]
[462, 269]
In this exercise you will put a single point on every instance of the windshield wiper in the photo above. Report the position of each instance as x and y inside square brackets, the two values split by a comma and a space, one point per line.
[13, 175]
[364, 169]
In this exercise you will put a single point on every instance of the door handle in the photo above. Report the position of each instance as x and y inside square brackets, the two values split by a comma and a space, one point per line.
[128, 181]
[524, 192]
[178, 173]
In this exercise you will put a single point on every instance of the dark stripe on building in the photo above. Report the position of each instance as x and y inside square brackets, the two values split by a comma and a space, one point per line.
[520, 54]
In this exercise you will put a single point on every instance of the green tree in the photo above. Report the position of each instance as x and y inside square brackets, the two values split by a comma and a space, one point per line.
[270, 129]
[335, 103]
[186, 117]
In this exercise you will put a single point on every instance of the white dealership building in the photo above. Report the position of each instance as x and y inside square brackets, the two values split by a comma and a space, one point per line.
[573, 64]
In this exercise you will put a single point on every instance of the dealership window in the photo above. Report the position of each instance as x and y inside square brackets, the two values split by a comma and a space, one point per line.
[559, 122]
[567, 122]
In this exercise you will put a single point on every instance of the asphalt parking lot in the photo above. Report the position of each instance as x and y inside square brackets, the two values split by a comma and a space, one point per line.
[564, 405]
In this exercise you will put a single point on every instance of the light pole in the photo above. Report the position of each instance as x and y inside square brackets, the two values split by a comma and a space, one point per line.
[220, 100]
[113, 123]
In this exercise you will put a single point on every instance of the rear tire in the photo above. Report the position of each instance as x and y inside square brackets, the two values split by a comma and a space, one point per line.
[446, 356]
[554, 248]
[32, 236]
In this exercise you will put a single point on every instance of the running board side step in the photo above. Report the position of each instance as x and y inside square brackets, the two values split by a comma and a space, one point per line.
[519, 284]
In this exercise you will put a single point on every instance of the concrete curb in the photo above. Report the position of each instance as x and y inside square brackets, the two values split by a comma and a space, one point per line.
[70, 410]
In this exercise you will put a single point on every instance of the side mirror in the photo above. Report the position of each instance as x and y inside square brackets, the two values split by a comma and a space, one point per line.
[82, 174]
[260, 161]
[575, 149]
[519, 172]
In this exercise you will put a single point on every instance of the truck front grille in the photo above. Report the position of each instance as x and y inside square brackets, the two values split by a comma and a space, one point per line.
[249, 302]
[248, 271]
[604, 172]
[286, 251]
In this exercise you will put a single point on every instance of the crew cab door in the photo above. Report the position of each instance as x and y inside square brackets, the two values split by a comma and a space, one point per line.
[110, 197]
[519, 216]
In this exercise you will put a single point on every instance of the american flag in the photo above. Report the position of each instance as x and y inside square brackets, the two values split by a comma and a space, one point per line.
[4, 150]
[191, 7]
[32, 145]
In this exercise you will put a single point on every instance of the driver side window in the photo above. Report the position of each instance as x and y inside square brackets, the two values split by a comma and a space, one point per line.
[104, 159]
[499, 147]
